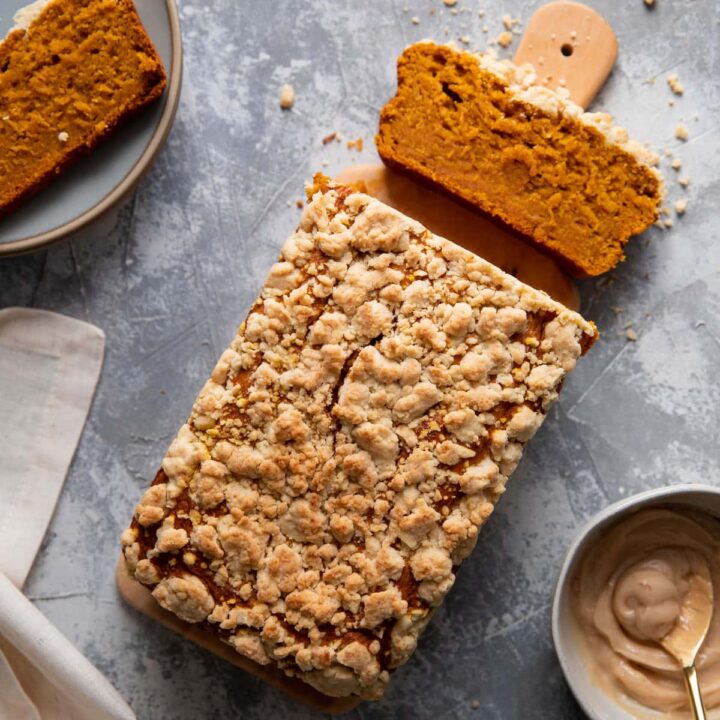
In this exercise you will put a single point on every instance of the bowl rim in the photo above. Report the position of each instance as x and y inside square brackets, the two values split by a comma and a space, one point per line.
[601, 518]
[138, 170]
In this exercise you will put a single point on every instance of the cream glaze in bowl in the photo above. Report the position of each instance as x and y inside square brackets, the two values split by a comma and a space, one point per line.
[594, 701]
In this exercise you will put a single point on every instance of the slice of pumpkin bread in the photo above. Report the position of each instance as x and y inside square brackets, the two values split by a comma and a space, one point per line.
[477, 128]
[70, 72]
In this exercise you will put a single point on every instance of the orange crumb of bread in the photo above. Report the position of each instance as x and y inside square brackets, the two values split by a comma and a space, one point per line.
[552, 178]
[81, 68]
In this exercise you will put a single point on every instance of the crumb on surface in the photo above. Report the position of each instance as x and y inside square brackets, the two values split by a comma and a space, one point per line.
[675, 85]
[63, 137]
[356, 144]
[684, 181]
[415, 20]
[299, 204]
[649, 3]
[287, 97]
[450, 3]
[631, 335]
[464, 39]
[509, 22]
[676, 164]
[329, 138]
[475, 704]
[681, 132]
[668, 223]
[681, 206]
[504, 39]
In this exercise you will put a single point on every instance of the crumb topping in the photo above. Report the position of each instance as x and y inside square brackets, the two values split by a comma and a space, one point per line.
[523, 81]
[338, 464]
[681, 132]
[287, 97]
[674, 83]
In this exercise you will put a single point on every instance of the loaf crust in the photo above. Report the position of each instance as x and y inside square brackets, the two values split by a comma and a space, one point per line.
[524, 155]
[350, 443]
[67, 81]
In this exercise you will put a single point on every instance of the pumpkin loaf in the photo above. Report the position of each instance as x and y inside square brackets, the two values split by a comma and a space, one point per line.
[70, 72]
[525, 155]
[350, 443]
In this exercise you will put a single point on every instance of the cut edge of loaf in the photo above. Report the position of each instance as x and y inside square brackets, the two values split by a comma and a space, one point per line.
[518, 81]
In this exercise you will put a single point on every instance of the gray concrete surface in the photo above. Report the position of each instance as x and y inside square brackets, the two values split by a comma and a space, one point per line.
[170, 277]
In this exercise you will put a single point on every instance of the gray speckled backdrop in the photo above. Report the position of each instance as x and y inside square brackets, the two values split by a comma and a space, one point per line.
[171, 275]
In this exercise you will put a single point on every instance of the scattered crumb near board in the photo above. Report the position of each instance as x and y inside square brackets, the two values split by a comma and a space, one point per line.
[631, 335]
[475, 704]
[675, 85]
[649, 3]
[666, 210]
[681, 132]
[668, 223]
[287, 97]
[510, 22]
[676, 164]
[504, 39]
[681, 206]
[481, 13]
[617, 309]
[684, 181]
[332, 136]
[450, 3]
[299, 203]
[415, 20]
[356, 144]
[465, 39]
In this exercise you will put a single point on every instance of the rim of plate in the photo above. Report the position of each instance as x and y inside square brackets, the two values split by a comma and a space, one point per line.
[133, 177]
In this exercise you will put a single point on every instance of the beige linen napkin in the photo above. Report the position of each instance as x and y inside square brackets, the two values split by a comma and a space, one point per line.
[49, 366]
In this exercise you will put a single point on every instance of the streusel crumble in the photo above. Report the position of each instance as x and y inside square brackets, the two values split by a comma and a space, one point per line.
[349, 444]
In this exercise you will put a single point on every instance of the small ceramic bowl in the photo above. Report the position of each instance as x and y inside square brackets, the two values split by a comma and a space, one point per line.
[596, 704]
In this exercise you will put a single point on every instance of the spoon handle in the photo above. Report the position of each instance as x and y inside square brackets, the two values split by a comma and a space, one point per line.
[696, 703]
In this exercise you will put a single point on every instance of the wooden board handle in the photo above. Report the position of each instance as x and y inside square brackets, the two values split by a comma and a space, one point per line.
[571, 46]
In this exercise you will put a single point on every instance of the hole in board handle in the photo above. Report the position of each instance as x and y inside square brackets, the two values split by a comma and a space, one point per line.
[567, 49]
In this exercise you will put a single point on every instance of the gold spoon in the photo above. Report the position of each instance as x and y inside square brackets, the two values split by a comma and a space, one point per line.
[686, 638]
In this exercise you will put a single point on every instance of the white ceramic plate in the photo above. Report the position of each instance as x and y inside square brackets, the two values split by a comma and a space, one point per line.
[102, 179]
